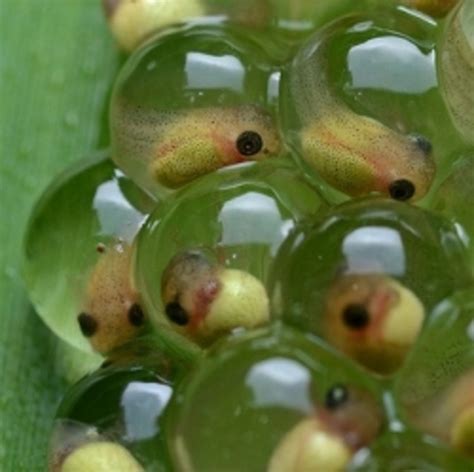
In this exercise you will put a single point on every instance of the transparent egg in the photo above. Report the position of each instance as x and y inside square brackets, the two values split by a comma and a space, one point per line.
[366, 275]
[203, 257]
[276, 400]
[361, 107]
[191, 102]
[456, 68]
[435, 388]
[119, 405]
[77, 255]
[453, 200]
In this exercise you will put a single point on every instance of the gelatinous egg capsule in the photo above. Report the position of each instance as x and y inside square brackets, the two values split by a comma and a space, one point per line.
[356, 154]
[456, 68]
[327, 441]
[111, 313]
[205, 300]
[131, 21]
[450, 414]
[373, 318]
[80, 448]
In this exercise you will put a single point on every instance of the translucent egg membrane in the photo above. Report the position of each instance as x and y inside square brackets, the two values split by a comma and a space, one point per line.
[456, 68]
[192, 101]
[120, 405]
[89, 209]
[366, 276]
[238, 218]
[435, 387]
[454, 200]
[358, 99]
[255, 390]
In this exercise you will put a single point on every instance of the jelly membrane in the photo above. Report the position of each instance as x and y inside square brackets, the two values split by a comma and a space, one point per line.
[456, 68]
[436, 385]
[191, 102]
[203, 257]
[334, 111]
[453, 200]
[365, 276]
[266, 389]
[119, 404]
[76, 248]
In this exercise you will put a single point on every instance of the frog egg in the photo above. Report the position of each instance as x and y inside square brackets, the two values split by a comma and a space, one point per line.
[354, 125]
[365, 275]
[71, 263]
[456, 68]
[116, 406]
[435, 387]
[400, 451]
[191, 102]
[301, 402]
[203, 256]
[133, 21]
[453, 200]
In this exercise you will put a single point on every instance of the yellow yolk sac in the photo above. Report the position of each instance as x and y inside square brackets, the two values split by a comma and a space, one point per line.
[177, 147]
[204, 300]
[449, 415]
[374, 319]
[327, 441]
[111, 314]
[132, 21]
[355, 154]
[101, 456]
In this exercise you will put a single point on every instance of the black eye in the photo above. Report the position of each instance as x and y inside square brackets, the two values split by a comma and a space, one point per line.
[423, 143]
[177, 314]
[88, 324]
[355, 316]
[336, 396]
[401, 189]
[249, 143]
[136, 315]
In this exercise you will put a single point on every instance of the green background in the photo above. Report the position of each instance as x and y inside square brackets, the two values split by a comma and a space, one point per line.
[57, 65]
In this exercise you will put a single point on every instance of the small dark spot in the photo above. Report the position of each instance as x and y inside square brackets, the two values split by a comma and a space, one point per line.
[136, 315]
[401, 190]
[423, 143]
[88, 324]
[249, 143]
[100, 248]
[110, 6]
[336, 396]
[355, 316]
[177, 314]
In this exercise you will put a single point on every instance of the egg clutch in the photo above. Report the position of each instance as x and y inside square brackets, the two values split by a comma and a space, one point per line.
[271, 267]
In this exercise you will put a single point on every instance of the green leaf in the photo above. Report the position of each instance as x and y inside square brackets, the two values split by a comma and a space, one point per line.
[57, 65]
